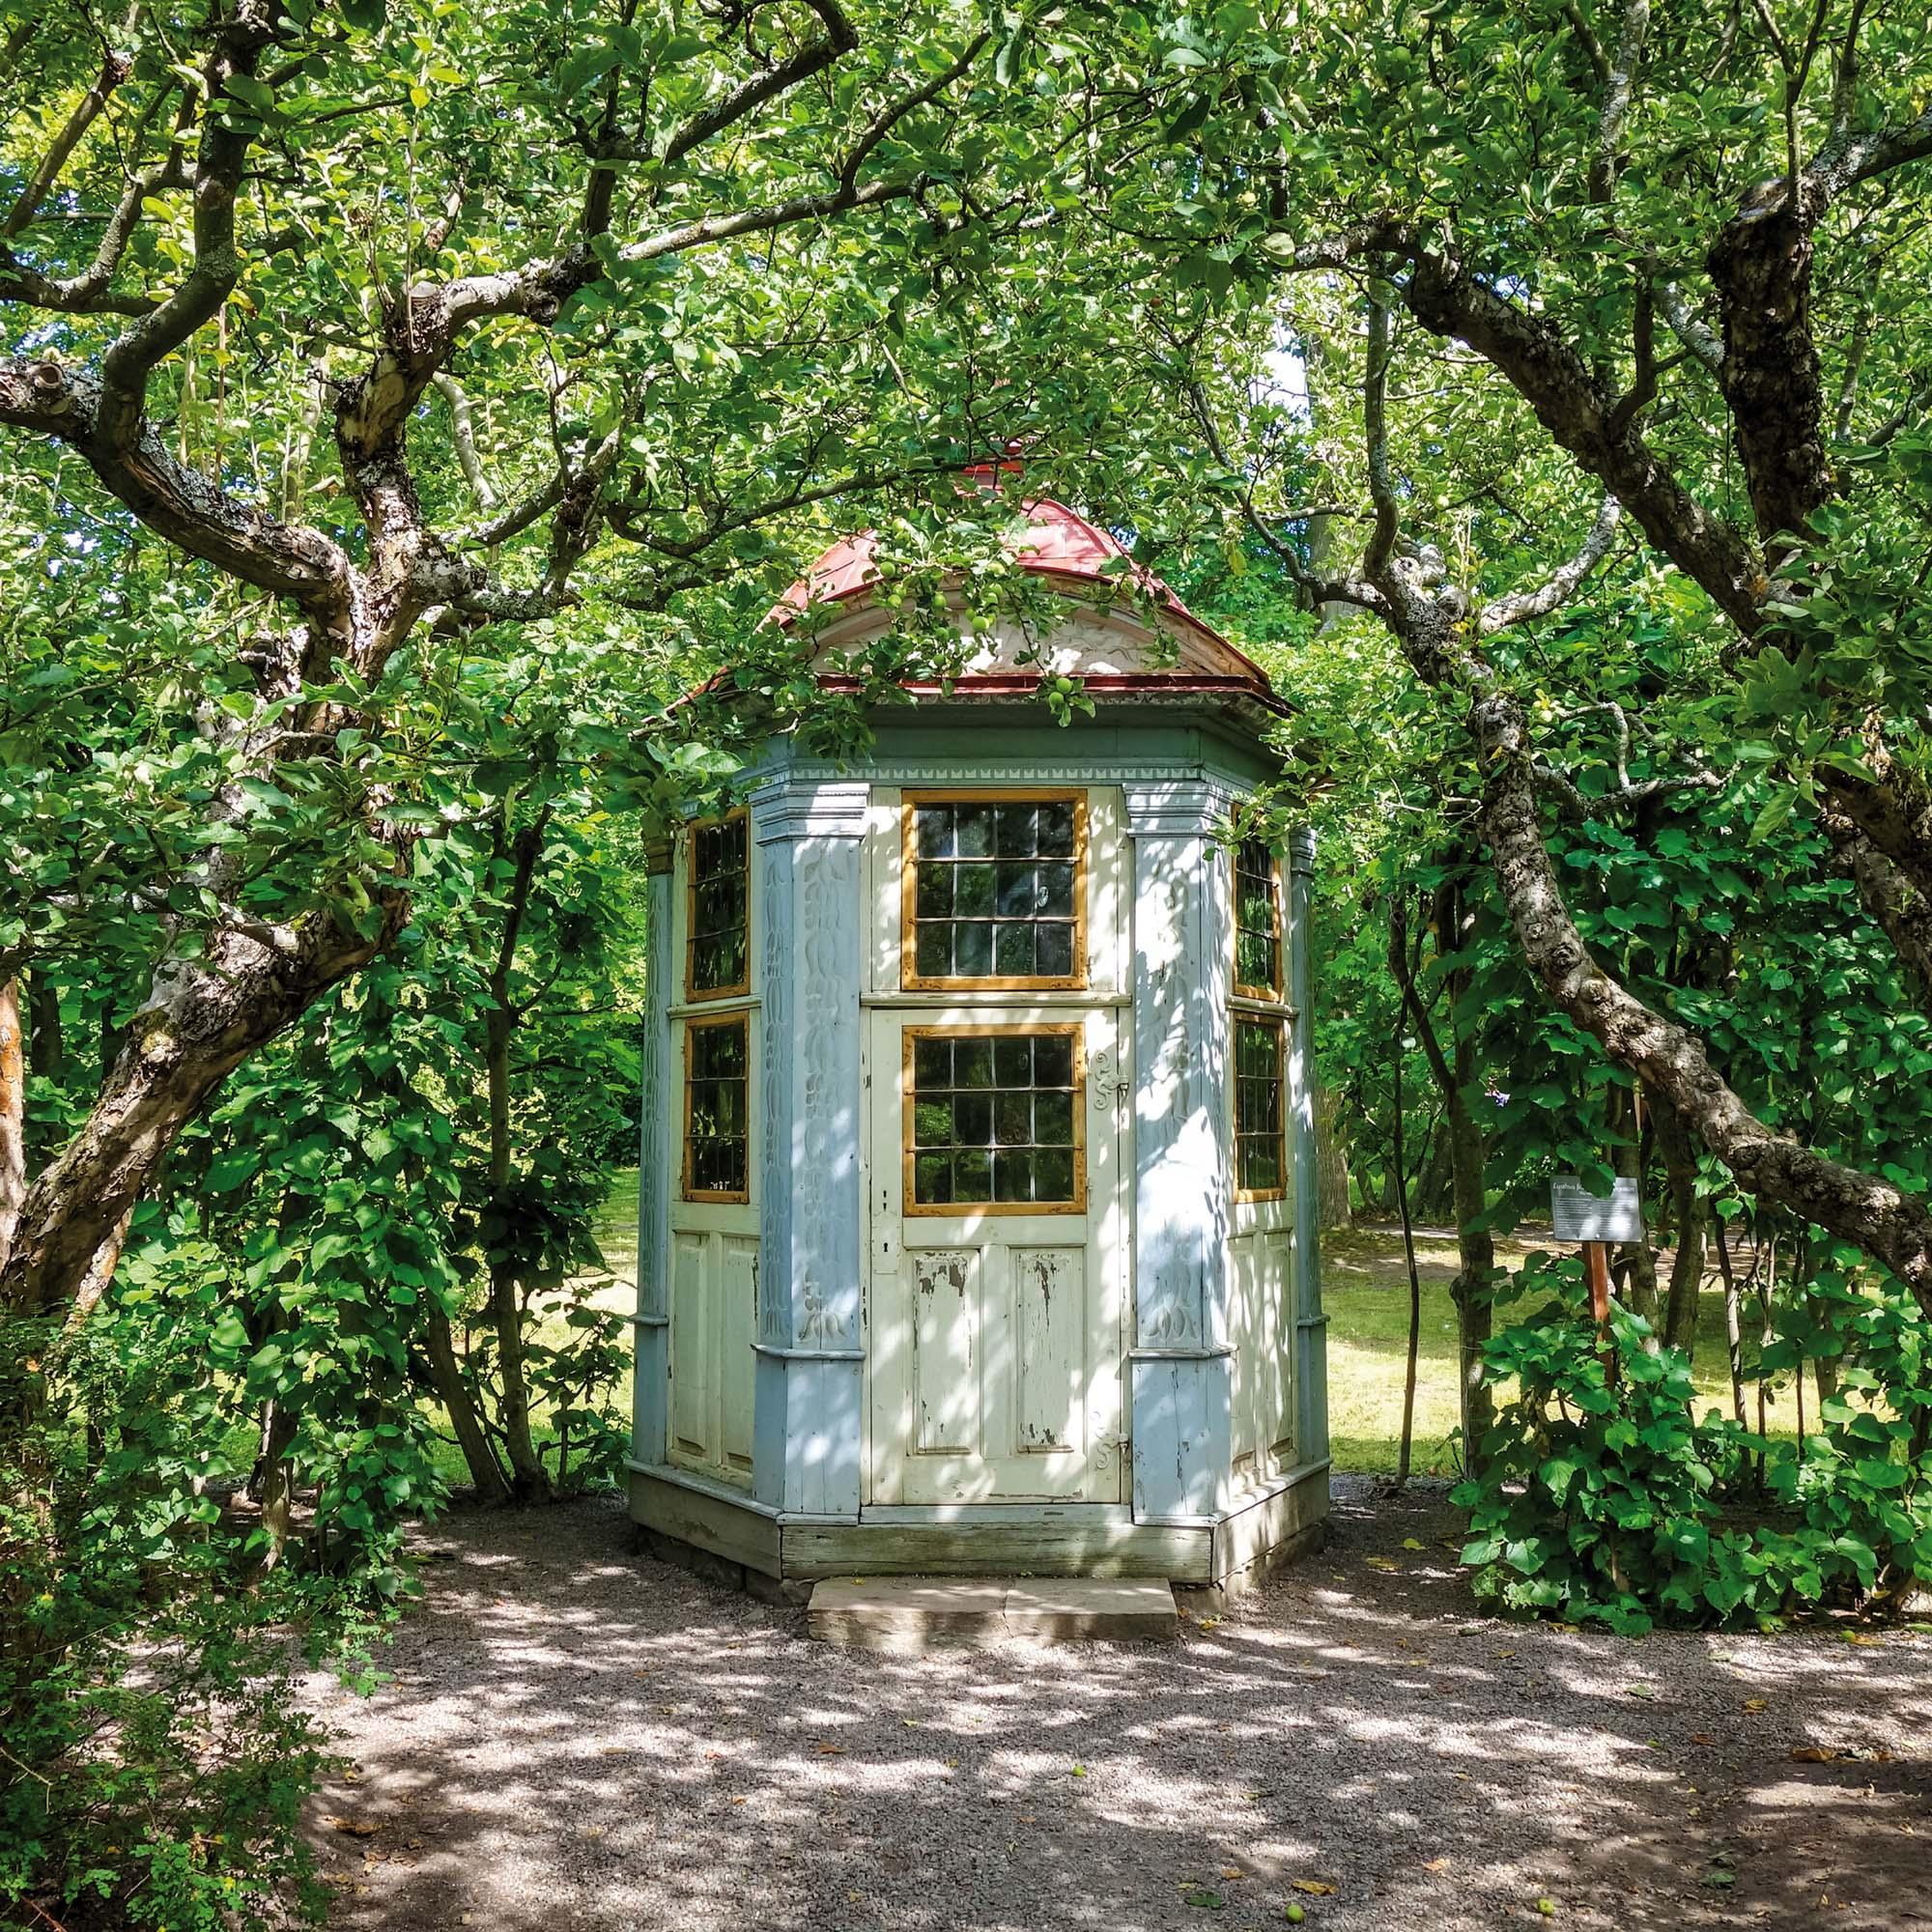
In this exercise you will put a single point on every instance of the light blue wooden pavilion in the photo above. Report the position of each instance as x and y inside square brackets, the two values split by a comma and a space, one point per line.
[978, 1201]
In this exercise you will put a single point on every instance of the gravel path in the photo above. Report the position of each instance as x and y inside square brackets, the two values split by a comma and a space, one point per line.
[577, 1736]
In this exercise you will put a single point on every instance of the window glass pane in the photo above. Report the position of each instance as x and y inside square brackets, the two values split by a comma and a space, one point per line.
[934, 900]
[993, 1118]
[973, 891]
[1259, 1159]
[1016, 830]
[1053, 1173]
[972, 950]
[972, 1118]
[1257, 918]
[935, 951]
[973, 831]
[1013, 896]
[1014, 951]
[720, 890]
[1012, 1175]
[1053, 952]
[717, 1108]
[1002, 880]
[935, 831]
[1053, 1120]
[973, 1175]
[1053, 1059]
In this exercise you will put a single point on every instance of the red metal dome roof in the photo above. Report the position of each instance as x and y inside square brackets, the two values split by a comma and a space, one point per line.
[1061, 544]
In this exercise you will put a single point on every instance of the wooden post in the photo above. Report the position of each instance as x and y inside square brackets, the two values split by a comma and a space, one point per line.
[1597, 1271]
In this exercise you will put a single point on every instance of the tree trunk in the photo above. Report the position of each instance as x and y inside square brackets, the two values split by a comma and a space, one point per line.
[1473, 1289]
[446, 1375]
[272, 1481]
[1331, 1160]
[1639, 1258]
[506, 1308]
[13, 1116]
[1733, 1327]
[202, 1019]
[1407, 1242]
[1687, 1212]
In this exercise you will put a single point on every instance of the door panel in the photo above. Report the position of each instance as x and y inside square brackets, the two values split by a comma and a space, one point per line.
[996, 1334]
[1262, 1332]
[945, 1356]
[1049, 1297]
[692, 1346]
[714, 1287]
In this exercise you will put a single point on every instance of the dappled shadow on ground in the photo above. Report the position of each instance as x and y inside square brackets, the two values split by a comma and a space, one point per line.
[577, 1737]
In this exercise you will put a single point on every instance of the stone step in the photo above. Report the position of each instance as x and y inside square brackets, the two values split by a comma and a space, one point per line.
[909, 1614]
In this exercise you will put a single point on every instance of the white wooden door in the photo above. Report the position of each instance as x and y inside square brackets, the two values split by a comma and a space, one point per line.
[997, 1324]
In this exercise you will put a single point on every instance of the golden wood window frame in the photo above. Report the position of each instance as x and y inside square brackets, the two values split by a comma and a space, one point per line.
[909, 1203]
[1277, 1025]
[911, 979]
[1271, 992]
[741, 1019]
[695, 994]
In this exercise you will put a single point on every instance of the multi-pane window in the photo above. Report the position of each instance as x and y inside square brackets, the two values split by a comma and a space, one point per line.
[1257, 920]
[716, 1109]
[716, 958]
[993, 890]
[1260, 1155]
[994, 1121]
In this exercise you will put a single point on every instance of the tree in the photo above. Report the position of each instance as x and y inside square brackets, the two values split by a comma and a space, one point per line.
[1658, 241]
[397, 330]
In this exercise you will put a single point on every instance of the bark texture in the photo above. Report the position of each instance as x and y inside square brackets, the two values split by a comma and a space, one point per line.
[1688, 1215]
[1889, 1225]
[202, 1019]
[13, 1116]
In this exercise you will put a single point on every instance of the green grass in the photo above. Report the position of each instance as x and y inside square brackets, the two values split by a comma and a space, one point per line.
[615, 1227]
[1365, 1292]
[1365, 1289]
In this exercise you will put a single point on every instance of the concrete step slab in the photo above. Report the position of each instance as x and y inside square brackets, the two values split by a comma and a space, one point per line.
[908, 1614]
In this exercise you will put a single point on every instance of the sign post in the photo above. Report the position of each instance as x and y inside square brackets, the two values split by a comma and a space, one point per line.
[1596, 1220]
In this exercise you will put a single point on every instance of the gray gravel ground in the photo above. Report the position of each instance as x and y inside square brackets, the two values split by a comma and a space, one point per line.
[578, 1736]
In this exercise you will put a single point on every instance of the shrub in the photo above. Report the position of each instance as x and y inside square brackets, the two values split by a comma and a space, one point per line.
[154, 1755]
[1609, 1501]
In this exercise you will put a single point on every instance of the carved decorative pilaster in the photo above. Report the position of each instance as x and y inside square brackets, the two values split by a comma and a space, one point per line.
[656, 1158]
[1182, 1133]
[1311, 1355]
[810, 838]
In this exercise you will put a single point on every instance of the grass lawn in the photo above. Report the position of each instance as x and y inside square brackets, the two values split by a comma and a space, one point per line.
[1365, 1289]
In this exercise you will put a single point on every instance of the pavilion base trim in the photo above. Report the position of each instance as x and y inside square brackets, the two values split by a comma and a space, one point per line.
[1260, 1528]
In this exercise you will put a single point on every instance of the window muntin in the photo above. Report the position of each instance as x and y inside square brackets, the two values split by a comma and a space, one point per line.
[1257, 920]
[717, 1108]
[995, 890]
[993, 1122]
[1261, 1153]
[716, 949]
